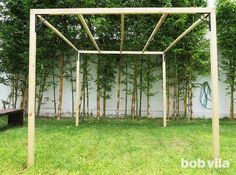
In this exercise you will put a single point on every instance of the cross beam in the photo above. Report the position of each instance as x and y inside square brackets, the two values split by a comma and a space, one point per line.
[82, 20]
[185, 32]
[163, 17]
[116, 11]
[50, 26]
[123, 52]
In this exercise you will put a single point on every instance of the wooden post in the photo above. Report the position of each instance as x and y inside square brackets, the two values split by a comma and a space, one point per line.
[122, 32]
[215, 88]
[164, 89]
[31, 102]
[77, 90]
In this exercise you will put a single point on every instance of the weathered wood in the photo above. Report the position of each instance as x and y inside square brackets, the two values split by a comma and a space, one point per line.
[15, 116]
[82, 20]
[163, 17]
[31, 94]
[77, 90]
[8, 111]
[50, 26]
[215, 88]
[123, 52]
[109, 11]
[195, 24]
[122, 32]
[164, 90]
[123, 11]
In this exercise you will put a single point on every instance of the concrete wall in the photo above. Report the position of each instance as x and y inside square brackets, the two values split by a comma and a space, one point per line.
[156, 101]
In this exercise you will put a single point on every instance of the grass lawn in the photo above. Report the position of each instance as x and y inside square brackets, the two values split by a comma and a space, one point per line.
[108, 147]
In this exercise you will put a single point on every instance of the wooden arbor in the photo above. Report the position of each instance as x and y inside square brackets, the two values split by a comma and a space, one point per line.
[34, 13]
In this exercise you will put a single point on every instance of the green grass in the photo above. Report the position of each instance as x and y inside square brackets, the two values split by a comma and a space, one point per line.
[3, 122]
[107, 147]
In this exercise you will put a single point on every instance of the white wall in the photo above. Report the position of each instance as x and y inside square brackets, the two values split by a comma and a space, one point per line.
[4, 92]
[156, 101]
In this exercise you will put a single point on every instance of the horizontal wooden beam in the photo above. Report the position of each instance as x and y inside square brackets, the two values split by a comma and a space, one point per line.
[147, 10]
[50, 26]
[82, 20]
[185, 32]
[123, 52]
[163, 17]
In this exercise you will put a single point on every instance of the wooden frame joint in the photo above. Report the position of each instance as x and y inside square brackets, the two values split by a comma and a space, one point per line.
[207, 20]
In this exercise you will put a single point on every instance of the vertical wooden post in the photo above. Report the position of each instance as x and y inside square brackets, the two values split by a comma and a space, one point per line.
[31, 102]
[77, 90]
[164, 89]
[215, 88]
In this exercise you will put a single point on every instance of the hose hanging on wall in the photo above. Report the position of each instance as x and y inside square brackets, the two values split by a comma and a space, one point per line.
[205, 95]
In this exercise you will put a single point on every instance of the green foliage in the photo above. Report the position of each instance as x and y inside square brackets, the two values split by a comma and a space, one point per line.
[106, 71]
[191, 58]
[226, 20]
[150, 74]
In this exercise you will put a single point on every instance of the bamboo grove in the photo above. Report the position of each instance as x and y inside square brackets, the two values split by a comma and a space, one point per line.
[133, 75]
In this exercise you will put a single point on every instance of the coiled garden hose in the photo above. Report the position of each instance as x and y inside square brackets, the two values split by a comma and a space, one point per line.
[205, 95]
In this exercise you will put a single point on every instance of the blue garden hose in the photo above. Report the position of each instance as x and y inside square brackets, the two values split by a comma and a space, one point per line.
[205, 95]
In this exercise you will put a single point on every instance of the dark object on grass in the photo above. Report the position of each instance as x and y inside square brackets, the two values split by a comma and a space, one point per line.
[15, 116]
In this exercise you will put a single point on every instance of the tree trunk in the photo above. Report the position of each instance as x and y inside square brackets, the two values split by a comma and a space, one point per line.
[168, 97]
[104, 102]
[174, 95]
[72, 88]
[24, 98]
[12, 94]
[118, 90]
[98, 92]
[232, 102]
[81, 98]
[190, 99]
[126, 90]
[16, 87]
[133, 95]
[25, 105]
[98, 105]
[133, 101]
[84, 93]
[140, 91]
[191, 103]
[87, 93]
[177, 98]
[24, 90]
[54, 92]
[148, 106]
[136, 94]
[41, 91]
[185, 99]
[60, 86]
